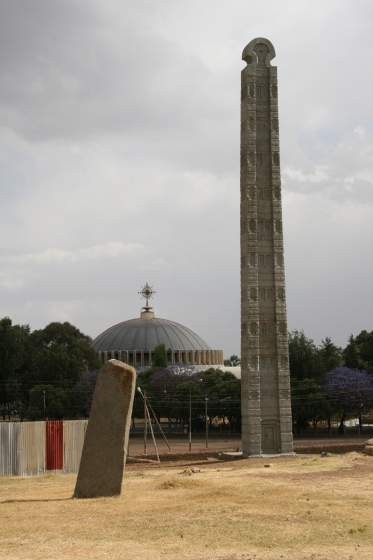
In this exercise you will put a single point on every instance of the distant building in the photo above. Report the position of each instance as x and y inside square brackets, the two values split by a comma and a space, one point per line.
[134, 341]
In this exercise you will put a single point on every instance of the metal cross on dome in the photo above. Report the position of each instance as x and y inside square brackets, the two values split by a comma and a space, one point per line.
[147, 293]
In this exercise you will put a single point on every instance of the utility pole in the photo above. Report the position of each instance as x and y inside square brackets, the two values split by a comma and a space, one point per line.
[206, 423]
[190, 420]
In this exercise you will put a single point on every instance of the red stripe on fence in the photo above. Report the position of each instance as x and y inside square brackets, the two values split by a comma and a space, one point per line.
[54, 445]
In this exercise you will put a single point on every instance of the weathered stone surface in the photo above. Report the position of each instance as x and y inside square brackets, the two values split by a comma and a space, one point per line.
[266, 406]
[105, 446]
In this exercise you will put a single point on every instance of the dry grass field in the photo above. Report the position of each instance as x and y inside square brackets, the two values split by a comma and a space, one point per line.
[304, 507]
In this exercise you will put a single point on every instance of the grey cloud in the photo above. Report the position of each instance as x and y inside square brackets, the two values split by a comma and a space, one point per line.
[344, 172]
[77, 80]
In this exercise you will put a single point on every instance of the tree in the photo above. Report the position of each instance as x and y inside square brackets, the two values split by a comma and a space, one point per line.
[160, 356]
[169, 393]
[309, 403]
[82, 393]
[304, 358]
[359, 351]
[56, 356]
[330, 355]
[351, 354]
[57, 402]
[234, 360]
[61, 353]
[349, 391]
[364, 340]
[61, 356]
[160, 386]
[308, 366]
[14, 354]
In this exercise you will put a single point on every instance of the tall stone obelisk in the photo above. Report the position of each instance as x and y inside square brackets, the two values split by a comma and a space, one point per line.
[265, 400]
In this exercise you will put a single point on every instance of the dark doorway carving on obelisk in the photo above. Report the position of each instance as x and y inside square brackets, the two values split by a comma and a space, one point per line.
[266, 404]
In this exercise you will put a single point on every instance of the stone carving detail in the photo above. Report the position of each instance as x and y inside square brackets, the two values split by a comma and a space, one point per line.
[252, 259]
[253, 362]
[265, 194]
[252, 226]
[265, 375]
[265, 261]
[266, 294]
[279, 260]
[261, 91]
[266, 329]
[268, 361]
[264, 230]
[253, 293]
[284, 361]
[261, 50]
[281, 294]
[253, 328]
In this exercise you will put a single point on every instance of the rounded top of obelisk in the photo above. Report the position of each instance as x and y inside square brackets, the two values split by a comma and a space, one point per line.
[259, 51]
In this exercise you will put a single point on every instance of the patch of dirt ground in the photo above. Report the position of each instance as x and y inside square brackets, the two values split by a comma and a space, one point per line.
[305, 507]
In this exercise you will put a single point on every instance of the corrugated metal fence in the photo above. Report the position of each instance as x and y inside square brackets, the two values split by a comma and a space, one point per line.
[73, 439]
[31, 448]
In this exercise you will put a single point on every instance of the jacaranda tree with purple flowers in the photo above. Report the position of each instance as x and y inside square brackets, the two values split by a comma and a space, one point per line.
[349, 392]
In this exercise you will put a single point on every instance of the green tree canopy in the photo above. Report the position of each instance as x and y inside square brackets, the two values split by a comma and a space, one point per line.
[304, 358]
[55, 356]
[358, 354]
[160, 356]
[330, 355]
[57, 401]
[14, 354]
[233, 360]
[61, 353]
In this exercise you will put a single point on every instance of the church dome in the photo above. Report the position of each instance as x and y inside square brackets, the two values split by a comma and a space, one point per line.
[145, 334]
[134, 341]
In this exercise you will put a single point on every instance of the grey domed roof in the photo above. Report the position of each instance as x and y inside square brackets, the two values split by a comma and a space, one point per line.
[146, 334]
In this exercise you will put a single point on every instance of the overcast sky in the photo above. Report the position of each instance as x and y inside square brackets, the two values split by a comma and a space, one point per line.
[119, 161]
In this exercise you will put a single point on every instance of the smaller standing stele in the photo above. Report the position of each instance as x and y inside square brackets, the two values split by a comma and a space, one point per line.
[106, 441]
[265, 392]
